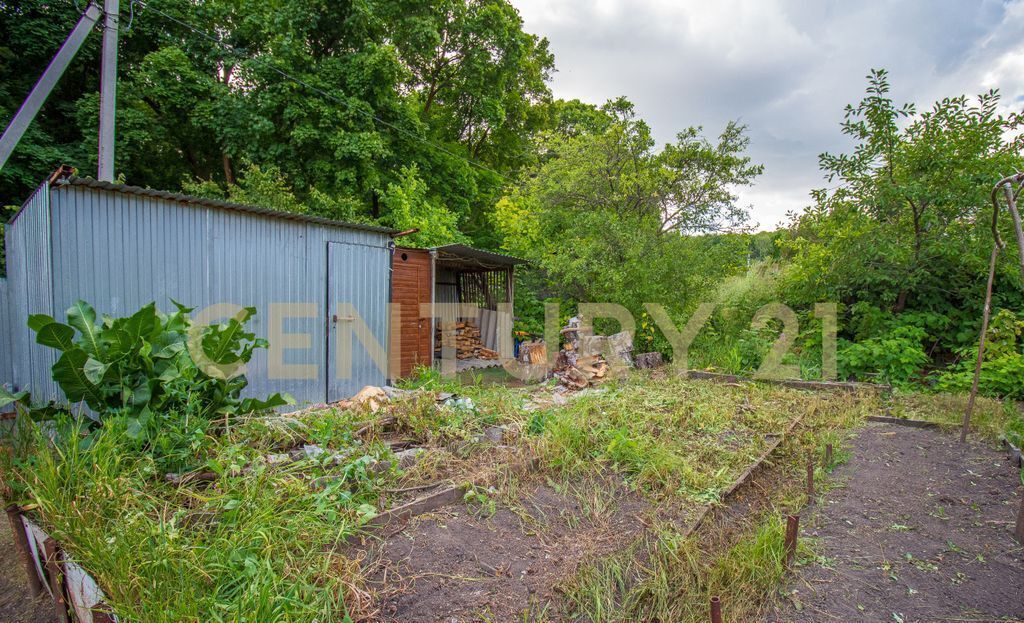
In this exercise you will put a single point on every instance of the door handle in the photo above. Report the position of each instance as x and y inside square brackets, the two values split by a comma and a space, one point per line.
[335, 318]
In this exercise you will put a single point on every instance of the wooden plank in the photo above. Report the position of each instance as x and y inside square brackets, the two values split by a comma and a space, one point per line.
[885, 419]
[791, 383]
[54, 569]
[739, 482]
[434, 501]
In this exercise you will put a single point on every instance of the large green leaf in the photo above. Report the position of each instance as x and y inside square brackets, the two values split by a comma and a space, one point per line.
[69, 372]
[250, 405]
[82, 316]
[222, 342]
[56, 335]
[38, 321]
[7, 397]
[142, 323]
[95, 370]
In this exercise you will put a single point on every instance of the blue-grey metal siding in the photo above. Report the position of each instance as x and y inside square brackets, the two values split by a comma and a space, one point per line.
[120, 250]
[354, 272]
[30, 291]
[6, 343]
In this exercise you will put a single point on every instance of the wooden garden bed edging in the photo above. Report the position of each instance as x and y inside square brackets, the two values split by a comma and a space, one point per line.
[742, 479]
[49, 567]
[1015, 454]
[791, 383]
[885, 419]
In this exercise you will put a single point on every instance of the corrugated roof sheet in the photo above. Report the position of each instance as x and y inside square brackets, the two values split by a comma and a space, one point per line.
[214, 203]
[469, 255]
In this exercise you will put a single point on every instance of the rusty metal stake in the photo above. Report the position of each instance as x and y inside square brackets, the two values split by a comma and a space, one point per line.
[1019, 532]
[810, 479]
[792, 530]
[54, 570]
[828, 455]
[716, 609]
[24, 552]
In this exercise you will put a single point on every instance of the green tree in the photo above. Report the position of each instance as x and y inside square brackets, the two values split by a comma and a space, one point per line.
[606, 216]
[905, 224]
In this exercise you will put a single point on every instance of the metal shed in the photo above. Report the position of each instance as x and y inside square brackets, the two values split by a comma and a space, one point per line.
[320, 287]
[481, 282]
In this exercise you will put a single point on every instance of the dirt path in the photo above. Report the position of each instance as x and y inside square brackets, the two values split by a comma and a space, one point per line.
[919, 530]
[456, 566]
[16, 604]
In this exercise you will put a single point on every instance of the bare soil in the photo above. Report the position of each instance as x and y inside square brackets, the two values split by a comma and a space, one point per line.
[459, 564]
[921, 529]
[16, 603]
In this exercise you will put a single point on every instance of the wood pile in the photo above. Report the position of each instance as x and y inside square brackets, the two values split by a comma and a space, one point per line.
[465, 337]
[578, 367]
[533, 353]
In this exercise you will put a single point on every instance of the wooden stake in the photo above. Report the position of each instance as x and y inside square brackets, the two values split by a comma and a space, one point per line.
[54, 570]
[810, 479]
[828, 456]
[792, 531]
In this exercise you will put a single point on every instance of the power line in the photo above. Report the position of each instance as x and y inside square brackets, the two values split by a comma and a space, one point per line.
[227, 47]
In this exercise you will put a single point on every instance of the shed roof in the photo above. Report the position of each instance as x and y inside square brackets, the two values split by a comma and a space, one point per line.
[465, 257]
[73, 180]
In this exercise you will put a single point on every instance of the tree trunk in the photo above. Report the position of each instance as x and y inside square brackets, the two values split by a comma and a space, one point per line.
[229, 174]
[375, 205]
[901, 301]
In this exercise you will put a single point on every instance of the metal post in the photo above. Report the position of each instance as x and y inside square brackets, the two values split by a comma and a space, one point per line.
[24, 552]
[30, 107]
[792, 531]
[716, 609]
[108, 92]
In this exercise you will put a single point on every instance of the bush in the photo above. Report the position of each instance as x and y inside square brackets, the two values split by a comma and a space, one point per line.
[895, 357]
[142, 368]
[1002, 371]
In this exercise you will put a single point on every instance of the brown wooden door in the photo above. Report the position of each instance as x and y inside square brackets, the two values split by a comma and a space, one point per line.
[410, 287]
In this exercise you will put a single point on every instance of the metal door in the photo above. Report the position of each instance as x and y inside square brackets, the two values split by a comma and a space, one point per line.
[358, 282]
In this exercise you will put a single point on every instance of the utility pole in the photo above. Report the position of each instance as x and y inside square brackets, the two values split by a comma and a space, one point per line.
[108, 92]
[30, 107]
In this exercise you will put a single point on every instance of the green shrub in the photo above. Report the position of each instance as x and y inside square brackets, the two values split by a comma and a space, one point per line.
[1002, 371]
[894, 357]
[140, 366]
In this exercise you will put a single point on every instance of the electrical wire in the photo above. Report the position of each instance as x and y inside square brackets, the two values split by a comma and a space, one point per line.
[227, 47]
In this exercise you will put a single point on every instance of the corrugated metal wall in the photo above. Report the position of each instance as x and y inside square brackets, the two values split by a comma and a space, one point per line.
[6, 343]
[119, 251]
[30, 291]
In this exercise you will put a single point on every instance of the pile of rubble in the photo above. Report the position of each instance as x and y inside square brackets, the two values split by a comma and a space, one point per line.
[465, 337]
[587, 359]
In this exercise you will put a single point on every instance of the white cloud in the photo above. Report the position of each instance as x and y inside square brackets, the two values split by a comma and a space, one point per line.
[786, 68]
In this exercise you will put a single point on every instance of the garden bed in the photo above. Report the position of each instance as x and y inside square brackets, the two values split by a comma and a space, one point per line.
[510, 494]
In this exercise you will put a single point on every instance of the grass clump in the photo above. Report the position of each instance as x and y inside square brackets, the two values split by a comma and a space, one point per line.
[991, 419]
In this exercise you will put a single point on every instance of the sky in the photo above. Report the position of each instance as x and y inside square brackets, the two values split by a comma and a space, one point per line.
[784, 68]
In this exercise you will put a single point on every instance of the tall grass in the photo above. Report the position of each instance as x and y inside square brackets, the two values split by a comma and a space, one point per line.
[688, 439]
[263, 546]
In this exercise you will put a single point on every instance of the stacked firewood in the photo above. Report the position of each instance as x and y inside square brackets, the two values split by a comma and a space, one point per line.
[579, 364]
[465, 337]
[533, 353]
